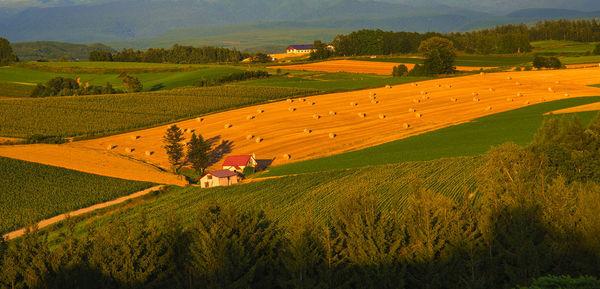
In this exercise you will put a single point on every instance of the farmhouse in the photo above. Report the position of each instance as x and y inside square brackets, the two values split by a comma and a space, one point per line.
[220, 178]
[239, 163]
[301, 48]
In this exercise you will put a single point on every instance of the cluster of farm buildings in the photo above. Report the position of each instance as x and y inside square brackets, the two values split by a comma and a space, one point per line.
[232, 171]
[304, 48]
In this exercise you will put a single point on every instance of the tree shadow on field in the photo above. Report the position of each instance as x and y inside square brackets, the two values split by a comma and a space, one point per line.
[157, 87]
[218, 152]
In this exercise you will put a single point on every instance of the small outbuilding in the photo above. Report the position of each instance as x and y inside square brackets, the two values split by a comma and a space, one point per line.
[239, 163]
[220, 178]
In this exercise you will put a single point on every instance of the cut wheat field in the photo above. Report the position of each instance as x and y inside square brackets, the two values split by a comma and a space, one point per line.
[356, 66]
[319, 126]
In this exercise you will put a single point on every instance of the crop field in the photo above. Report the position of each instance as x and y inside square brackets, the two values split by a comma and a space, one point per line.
[331, 82]
[570, 60]
[99, 73]
[11, 89]
[462, 60]
[559, 46]
[30, 192]
[314, 194]
[467, 139]
[90, 115]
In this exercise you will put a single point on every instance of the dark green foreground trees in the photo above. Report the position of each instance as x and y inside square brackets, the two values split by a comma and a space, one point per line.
[535, 214]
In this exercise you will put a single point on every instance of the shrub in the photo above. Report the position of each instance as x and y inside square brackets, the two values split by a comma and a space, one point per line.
[547, 62]
[400, 70]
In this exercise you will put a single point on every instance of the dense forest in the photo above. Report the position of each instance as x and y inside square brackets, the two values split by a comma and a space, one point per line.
[505, 39]
[535, 214]
[176, 54]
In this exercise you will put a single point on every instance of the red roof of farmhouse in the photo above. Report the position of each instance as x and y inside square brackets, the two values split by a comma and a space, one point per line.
[236, 161]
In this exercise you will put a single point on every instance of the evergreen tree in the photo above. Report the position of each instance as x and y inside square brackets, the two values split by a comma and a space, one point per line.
[173, 145]
[198, 153]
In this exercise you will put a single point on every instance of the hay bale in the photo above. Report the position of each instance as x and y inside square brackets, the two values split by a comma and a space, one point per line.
[488, 108]
[291, 109]
[260, 110]
[416, 84]
[192, 130]
[527, 102]
[416, 100]
[129, 150]
[304, 100]
[406, 125]
[557, 82]
[566, 95]
[134, 137]
[332, 135]
[353, 104]
[423, 92]
[287, 157]
[449, 85]
[372, 97]
[550, 89]
[482, 73]
[509, 99]
[316, 116]
[474, 93]
[411, 110]
[388, 86]
[372, 93]
[249, 117]
[425, 97]
[476, 99]
[541, 99]
[228, 125]
[249, 137]
[362, 114]
[418, 115]
[313, 103]
[331, 112]
[491, 89]
[185, 130]
[307, 131]
[149, 153]
[199, 119]
[454, 99]
[258, 140]
[290, 100]
[110, 147]
[381, 116]
[374, 101]
[517, 83]
[519, 94]
[508, 77]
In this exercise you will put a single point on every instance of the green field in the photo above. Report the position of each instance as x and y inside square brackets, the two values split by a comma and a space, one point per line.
[103, 114]
[30, 192]
[316, 194]
[462, 60]
[331, 82]
[11, 89]
[153, 76]
[559, 46]
[468, 139]
[580, 59]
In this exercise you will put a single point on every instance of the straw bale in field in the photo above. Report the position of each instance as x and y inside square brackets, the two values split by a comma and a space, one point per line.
[331, 112]
[388, 86]
[110, 147]
[566, 94]
[129, 150]
[134, 137]
[316, 116]
[416, 100]
[411, 110]
[476, 99]
[249, 137]
[381, 116]
[509, 99]
[249, 117]
[199, 119]
[474, 93]
[260, 110]
[491, 89]
[149, 153]
[258, 140]
[286, 156]
[418, 115]
[332, 135]
[291, 109]
[228, 125]
[307, 131]
[290, 100]
[416, 84]
[423, 92]
[519, 94]
[374, 101]
[517, 83]
[526, 102]
[362, 114]
[550, 89]
[406, 125]
[508, 77]
[453, 99]
[488, 108]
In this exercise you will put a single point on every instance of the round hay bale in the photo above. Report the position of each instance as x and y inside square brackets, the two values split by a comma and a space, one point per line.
[372, 93]
[557, 82]
[304, 100]
[566, 94]
[249, 137]
[423, 92]
[199, 119]
[418, 115]
[519, 94]
[509, 99]
[129, 150]
[388, 86]
[374, 101]
[291, 109]
[250, 117]
[258, 140]
[372, 97]
[527, 102]
[449, 85]
[332, 135]
[362, 114]
[149, 153]
[290, 100]
[550, 89]
[482, 73]
[353, 104]
[476, 99]
[287, 157]
[416, 84]
[307, 131]
[260, 110]
[488, 108]
[454, 99]
[316, 116]
[541, 99]
[425, 97]
[228, 125]
[508, 77]
[313, 103]
[517, 83]
[416, 100]
[110, 147]
[411, 110]
[406, 125]
[134, 137]
[331, 112]
[381, 116]
[474, 93]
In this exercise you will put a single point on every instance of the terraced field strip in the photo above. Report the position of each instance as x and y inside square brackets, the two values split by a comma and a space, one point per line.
[324, 125]
[586, 107]
[357, 66]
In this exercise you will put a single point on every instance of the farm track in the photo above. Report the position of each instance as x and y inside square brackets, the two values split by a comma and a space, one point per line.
[282, 131]
[59, 218]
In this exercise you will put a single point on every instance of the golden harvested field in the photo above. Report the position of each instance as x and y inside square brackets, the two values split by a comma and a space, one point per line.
[586, 107]
[357, 66]
[323, 125]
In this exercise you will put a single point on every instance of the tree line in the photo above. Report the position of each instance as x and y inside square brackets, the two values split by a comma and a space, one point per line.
[64, 86]
[177, 54]
[233, 77]
[534, 214]
[7, 56]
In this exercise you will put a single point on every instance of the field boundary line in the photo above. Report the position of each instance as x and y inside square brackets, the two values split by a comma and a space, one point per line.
[59, 218]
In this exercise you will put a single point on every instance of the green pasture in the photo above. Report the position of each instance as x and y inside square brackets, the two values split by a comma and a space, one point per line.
[463, 60]
[468, 139]
[559, 46]
[12, 89]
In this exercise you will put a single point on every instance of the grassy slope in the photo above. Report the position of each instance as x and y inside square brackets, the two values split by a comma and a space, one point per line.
[30, 191]
[467, 139]
[11, 89]
[558, 46]
[317, 194]
[89, 115]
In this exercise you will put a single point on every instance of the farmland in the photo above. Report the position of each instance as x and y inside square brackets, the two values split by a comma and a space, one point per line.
[562, 47]
[467, 139]
[90, 115]
[30, 191]
[317, 193]
[11, 89]
[461, 60]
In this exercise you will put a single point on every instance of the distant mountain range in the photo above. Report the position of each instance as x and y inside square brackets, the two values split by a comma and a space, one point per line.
[237, 23]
